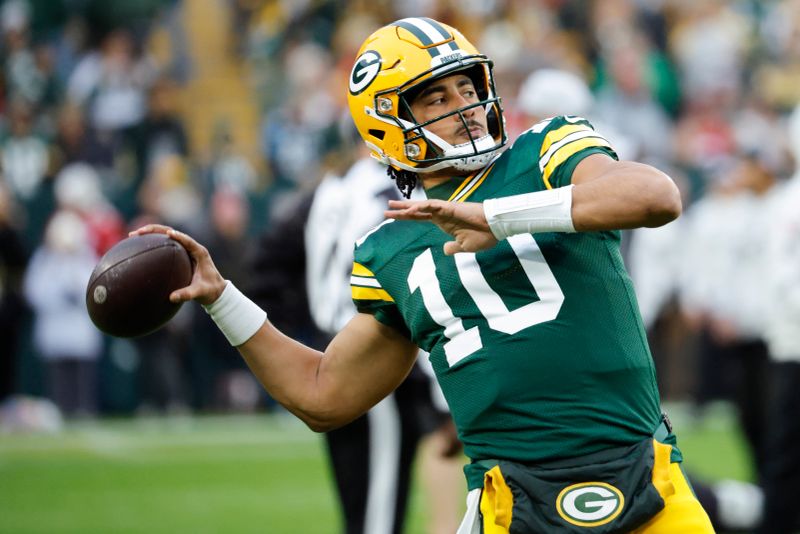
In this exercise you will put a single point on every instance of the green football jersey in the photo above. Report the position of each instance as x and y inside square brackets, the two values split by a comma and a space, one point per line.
[537, 343]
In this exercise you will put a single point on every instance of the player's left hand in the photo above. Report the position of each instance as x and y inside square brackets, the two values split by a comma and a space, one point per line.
[465, 221]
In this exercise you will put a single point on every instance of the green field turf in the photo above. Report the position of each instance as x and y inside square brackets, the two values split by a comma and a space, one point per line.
[219, 474]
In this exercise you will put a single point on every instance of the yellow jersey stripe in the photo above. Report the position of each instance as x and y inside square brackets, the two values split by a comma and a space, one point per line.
[471, 183]
[469, 187]
[564, 153]
[475, 187]
[571, 138]
[360, 270]
[369, 293]
[464, 184]
[557, 135]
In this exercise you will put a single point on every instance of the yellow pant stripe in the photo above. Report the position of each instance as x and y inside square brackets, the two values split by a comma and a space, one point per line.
[496, 503]
[682, 511]
[661, 469]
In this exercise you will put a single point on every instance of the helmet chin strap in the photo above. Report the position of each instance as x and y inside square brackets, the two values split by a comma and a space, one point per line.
[470, 162]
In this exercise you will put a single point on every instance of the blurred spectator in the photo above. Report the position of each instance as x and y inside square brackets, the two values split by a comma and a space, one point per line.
[704, 143]
[71, 43]
[27, 163]
[26, 157]
[64, 336]
[13, 260]
[15, 16]
[295, 134]
[776, 76]
[77, 188]
[626, 102]
[29, 70]
[76, 142]
[168, 193]
[782, 466]
[229, 169]
[112, 83]
[548, 93]
[164, 371]
[710, 42]
[161, 133]
[279, 267]
[227, 235]
[222, 381]
[621, 23]
[726, 249]
[551, 92]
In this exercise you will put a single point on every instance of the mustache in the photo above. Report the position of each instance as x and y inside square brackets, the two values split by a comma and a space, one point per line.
[465, 127]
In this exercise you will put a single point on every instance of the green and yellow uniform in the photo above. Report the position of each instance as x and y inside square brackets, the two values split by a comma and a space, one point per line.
[537, 343]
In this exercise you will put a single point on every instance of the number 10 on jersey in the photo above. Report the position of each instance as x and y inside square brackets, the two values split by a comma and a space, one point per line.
[463, 342]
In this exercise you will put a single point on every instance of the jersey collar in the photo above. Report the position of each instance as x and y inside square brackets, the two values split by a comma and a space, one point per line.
[458, 189]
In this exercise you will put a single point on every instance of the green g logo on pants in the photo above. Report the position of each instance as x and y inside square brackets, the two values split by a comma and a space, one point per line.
[589, 504]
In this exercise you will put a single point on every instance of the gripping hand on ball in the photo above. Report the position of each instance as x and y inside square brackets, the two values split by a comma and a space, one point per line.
[207, 282]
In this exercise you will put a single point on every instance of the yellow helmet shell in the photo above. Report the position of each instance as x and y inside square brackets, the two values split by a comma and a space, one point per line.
[398, 58]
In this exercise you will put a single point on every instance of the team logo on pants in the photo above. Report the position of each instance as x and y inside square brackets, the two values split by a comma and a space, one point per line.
[590, 504]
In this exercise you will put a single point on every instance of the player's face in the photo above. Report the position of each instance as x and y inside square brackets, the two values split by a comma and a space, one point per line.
[446, 95]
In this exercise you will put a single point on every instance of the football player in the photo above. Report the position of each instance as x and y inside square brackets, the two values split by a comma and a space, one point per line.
[510, 276]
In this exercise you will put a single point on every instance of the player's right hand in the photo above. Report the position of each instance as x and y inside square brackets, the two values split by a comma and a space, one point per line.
[465, 221]
[207, 282]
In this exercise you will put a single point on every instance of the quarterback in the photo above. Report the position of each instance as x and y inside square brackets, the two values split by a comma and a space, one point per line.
[510, 276]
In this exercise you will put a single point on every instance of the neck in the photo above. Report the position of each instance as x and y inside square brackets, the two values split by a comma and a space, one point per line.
[427, 183]
[433, 179]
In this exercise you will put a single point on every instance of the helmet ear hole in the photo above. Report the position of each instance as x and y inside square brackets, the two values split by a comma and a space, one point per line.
[378, 134]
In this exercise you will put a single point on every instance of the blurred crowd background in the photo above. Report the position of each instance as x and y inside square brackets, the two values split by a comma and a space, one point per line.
[216, 116]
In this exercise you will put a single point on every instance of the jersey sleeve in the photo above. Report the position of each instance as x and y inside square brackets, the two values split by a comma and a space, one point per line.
[369, 296]
[565, 142]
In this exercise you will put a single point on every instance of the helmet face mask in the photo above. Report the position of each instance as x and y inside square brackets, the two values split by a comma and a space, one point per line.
[394, 65]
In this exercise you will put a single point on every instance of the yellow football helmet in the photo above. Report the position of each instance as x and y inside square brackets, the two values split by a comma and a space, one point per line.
[392, 65]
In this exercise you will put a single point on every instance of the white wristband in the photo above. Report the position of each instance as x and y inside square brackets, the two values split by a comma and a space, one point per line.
[543, 211]
[238, 317]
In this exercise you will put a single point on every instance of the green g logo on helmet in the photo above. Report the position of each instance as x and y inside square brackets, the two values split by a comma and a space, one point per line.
[590, 504]
[366, 68]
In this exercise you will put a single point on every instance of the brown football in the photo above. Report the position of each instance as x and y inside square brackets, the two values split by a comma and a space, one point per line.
[128, 292]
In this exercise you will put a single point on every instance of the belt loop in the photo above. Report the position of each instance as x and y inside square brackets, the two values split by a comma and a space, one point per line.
[667, 422]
